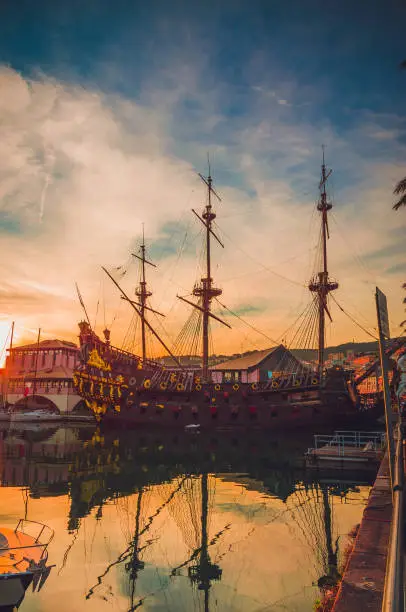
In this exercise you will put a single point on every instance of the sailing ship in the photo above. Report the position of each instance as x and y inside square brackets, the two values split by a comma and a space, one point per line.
[121, 386]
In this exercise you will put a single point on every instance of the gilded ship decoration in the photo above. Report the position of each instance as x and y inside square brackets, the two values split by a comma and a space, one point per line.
[96, 361]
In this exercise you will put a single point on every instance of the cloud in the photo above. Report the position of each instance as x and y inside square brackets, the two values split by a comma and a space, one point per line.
[399, 267]
[390, 250]
[83, 169]
[249, 309]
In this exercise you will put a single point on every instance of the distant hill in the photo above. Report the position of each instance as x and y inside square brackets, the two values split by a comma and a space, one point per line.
[311, 354]
[355, 347]
[303, 354]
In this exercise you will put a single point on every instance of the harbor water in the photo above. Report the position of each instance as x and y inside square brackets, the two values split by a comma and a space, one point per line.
[227, 521]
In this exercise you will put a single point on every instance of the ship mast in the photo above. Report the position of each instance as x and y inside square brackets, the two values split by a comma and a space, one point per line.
[321, 284]
[206, 291]
[143, 294]
[136, 305]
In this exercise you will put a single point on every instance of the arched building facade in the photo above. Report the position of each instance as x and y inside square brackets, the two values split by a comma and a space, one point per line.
[41, 376]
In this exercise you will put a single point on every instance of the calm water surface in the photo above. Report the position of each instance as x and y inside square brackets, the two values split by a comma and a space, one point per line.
[168, 522]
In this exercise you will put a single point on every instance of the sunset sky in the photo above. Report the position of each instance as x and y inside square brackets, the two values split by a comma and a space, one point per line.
[108, 110]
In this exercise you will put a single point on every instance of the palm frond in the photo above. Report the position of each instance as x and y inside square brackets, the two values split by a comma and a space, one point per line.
[399, 203]
[400, 187]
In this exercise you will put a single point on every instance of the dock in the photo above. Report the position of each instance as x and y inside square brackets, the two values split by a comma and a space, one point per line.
[347, 450]
[364, 575]
[372, 578]
[363, 582]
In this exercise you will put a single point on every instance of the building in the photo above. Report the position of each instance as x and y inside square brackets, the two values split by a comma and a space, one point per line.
[362, 361]
[258, 366]
[41, 376]
[336, 358]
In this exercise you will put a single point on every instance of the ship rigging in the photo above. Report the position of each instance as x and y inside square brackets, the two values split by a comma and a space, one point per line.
[322, 285]
[283, 392]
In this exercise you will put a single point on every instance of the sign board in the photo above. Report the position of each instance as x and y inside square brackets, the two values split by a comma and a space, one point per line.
[383, 323]
[382, 312]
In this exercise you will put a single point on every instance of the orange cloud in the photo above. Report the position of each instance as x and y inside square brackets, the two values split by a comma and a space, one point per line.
[82, 171]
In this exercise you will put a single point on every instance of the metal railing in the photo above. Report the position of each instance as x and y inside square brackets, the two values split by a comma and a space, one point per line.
[393, 596]
[41, 538]
[27, 527]
[373, 440]
[40, 547]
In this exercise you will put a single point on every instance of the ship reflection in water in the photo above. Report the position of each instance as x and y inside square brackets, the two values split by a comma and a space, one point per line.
[179, 522]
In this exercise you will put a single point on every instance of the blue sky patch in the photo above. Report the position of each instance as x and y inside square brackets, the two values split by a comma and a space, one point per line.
[9, 224]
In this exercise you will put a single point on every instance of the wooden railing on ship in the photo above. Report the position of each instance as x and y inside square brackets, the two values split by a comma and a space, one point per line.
[118, 353]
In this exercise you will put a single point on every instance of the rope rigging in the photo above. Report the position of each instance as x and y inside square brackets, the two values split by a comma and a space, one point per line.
[302, 334]
[356, 257]
[130, 548]
[246, 322]
[354, 320]
[3, 349]
[289, 280]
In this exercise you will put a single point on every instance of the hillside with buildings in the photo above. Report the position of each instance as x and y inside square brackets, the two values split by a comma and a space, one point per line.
[333, 353]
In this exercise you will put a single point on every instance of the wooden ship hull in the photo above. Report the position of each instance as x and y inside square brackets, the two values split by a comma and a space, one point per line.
[273, 413]
[117, 390]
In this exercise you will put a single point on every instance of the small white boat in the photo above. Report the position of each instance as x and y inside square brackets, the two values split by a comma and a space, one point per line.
[34, 415]
[193, 428]
[78, 418]
[23, 560]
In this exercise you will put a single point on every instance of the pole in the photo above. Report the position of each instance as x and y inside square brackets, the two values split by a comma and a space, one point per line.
[324, 275]
[83, 305]
[386, 390]
[5, 395]
[204, 560]
[321, 285]
[11, 337]
[206, 293]
[143, 298]
[143, 294]
[321, 328]
[34, 387]
[146, 322]
[393, 595]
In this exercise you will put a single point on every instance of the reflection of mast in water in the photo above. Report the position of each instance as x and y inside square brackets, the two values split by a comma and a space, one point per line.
[130, 556]
[192, 515]
[311, 507]
[332, 574]
[135, 564]
[203, 572]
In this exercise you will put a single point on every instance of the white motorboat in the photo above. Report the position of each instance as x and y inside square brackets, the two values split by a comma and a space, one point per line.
[34, 416]
[23, 560]
[193, 428]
